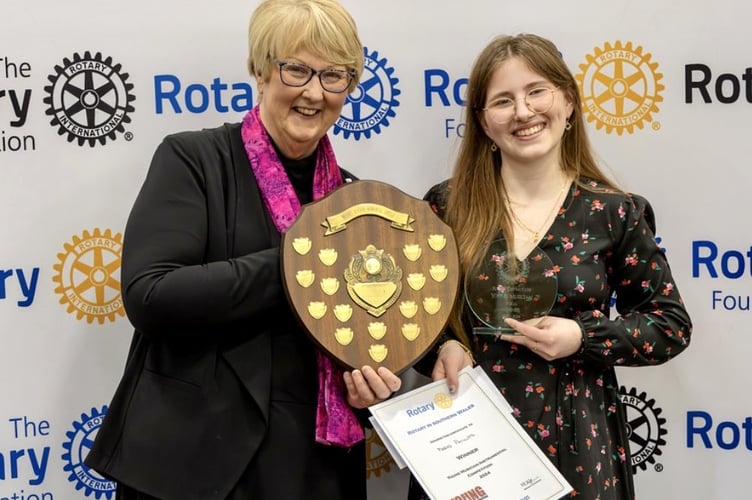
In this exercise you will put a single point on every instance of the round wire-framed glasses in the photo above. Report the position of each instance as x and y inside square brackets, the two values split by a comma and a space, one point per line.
[537, 100]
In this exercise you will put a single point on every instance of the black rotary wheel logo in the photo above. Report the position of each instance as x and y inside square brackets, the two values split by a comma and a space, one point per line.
[645, 428]
[89, 99]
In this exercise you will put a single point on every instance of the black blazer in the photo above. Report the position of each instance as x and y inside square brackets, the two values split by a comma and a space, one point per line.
[201, 285]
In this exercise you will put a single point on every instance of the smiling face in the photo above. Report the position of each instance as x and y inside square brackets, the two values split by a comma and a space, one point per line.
[528, 136]
[298, 117]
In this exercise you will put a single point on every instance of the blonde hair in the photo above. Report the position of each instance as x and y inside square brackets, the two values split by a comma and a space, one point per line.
[476, 210]
[279, 28]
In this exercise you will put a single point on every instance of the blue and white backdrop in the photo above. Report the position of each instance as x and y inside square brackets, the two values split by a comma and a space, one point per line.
[668, 93]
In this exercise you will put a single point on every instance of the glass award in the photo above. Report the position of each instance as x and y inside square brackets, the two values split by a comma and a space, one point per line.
[503, 286]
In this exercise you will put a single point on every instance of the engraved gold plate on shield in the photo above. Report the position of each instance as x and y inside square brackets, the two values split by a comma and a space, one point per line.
[372, 274]
[374, 281]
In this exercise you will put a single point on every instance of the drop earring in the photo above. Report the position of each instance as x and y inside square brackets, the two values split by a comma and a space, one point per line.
[494, 147]
[567, 126]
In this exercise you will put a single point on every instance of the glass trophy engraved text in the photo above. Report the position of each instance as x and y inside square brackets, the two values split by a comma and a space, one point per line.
[503, 286]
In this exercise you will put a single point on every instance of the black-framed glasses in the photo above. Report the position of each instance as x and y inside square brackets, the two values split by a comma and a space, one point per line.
[294, 74]
[537, 100]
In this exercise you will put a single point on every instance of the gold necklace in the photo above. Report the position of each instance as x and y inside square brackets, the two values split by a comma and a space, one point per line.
[536, 233]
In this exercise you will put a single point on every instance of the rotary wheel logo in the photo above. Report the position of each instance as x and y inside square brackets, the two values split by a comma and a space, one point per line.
[378, 459]
[620, 88]
[88, 276]
[77, 447]
[645, 429]
[372, 103]
[89, 99]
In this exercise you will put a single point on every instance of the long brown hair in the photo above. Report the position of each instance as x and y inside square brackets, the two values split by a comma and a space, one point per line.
[476, 210]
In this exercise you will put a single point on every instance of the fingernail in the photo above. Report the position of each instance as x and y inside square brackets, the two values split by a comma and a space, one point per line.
[452, 389]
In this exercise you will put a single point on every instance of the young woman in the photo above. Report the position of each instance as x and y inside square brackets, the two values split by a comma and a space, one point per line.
[525, 174]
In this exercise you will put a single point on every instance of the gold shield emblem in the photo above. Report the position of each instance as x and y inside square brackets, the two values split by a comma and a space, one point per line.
[343, 335]
[317, 310]
[305, 278]
[437, 242]
[410, 331]
[328, 256]
[373, 280]
[343, 312]
[416, 281]
[438, 272]
[330, 285]
[302, 245]
[412, 252]
[408, 308]
[378, 352]
[431, 305]
[377, 330]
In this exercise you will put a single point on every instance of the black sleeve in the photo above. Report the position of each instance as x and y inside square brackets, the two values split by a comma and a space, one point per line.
[653, 324]
[170, 283]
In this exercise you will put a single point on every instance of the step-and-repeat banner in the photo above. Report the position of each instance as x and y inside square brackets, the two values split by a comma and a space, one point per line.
[667, 88]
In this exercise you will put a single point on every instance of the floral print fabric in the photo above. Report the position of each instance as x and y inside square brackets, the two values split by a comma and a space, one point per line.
[601, 242]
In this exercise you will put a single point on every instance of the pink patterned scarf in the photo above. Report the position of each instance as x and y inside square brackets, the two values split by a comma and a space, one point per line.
[336, 423]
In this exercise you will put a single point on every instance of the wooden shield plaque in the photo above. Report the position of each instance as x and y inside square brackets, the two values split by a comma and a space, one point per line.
[372, 274]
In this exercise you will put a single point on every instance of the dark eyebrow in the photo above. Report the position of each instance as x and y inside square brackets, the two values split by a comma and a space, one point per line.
[294, 60]
[530, 86]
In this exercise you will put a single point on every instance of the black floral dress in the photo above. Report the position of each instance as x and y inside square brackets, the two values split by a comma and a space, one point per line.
[601, 243]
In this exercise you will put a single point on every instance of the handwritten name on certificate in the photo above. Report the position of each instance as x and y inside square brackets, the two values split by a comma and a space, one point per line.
[466, 446]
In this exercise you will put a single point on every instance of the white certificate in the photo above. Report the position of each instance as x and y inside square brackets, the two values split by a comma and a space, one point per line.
[466, 446]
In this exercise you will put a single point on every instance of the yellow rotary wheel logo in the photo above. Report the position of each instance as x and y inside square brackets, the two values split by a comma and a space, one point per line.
[88, 276]
[378, 459]
[620, 87]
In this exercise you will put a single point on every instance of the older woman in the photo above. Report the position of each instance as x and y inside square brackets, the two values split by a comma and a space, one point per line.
[223, 395]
